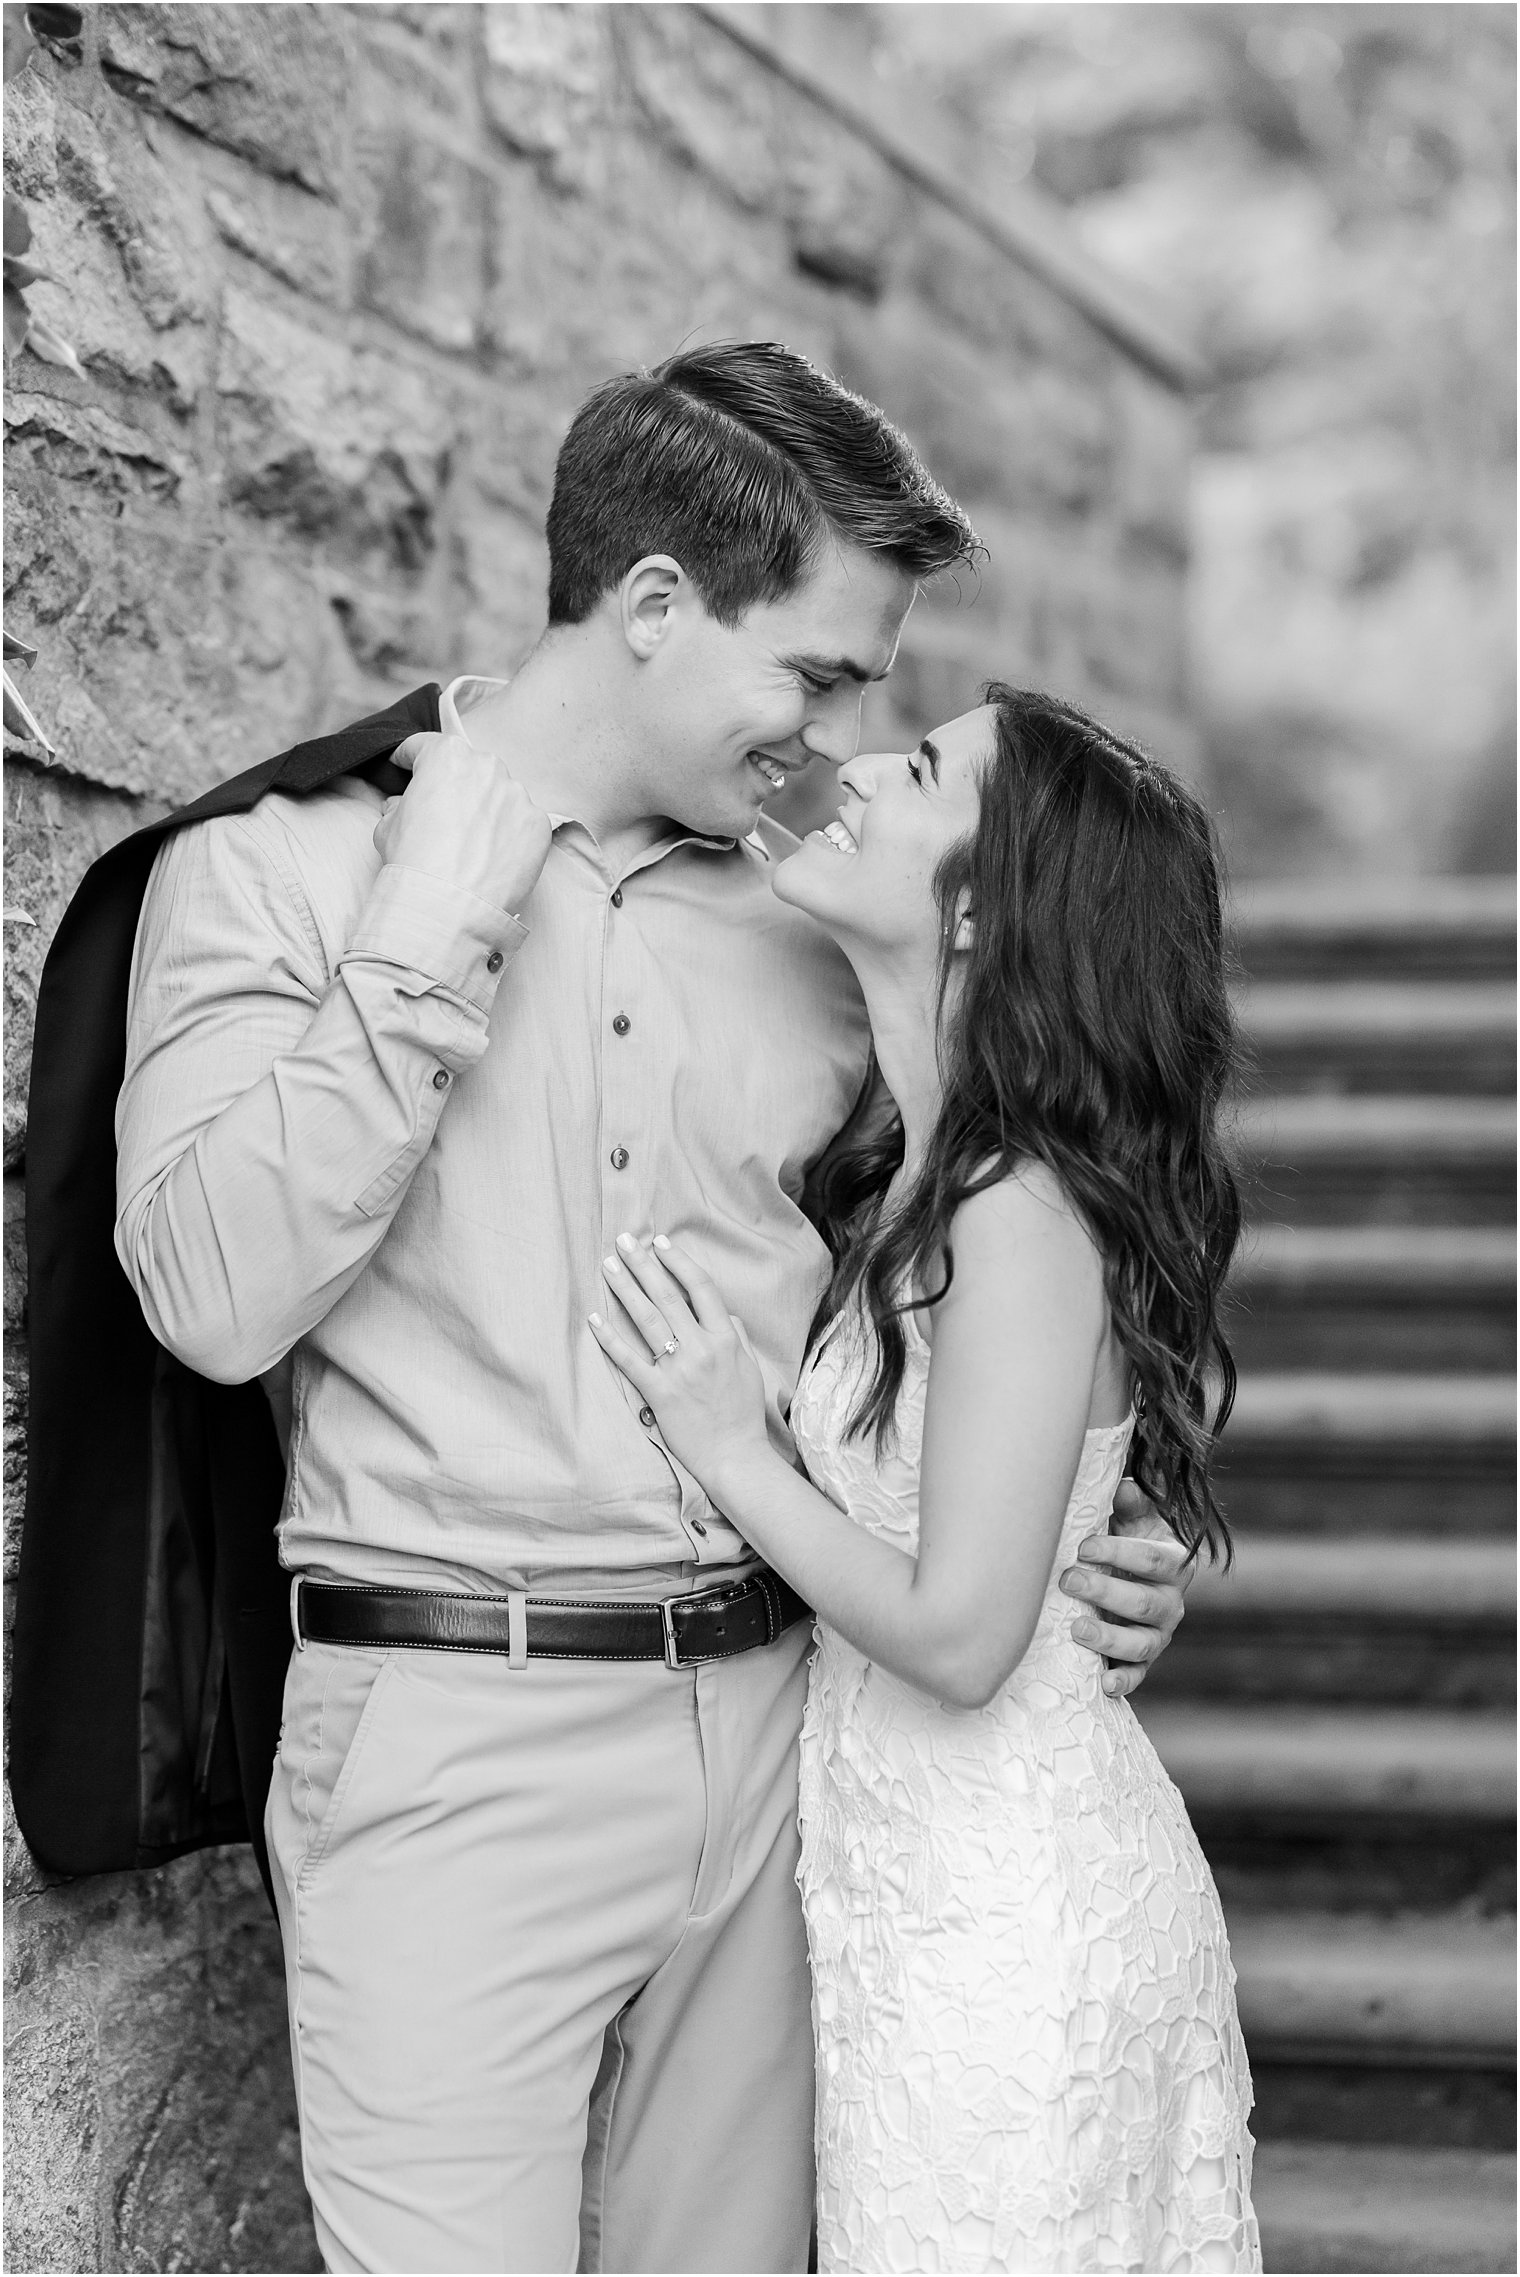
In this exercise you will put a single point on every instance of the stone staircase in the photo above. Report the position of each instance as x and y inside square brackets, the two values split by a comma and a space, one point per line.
[1339, 1711]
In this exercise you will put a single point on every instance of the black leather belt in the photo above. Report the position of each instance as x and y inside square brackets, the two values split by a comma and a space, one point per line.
[708, 1624]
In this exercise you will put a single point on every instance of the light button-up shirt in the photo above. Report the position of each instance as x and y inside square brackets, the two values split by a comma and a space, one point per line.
[376, 1136]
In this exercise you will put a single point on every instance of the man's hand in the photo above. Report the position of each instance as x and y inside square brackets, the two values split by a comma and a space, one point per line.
[1135, 1580]
[465, 820]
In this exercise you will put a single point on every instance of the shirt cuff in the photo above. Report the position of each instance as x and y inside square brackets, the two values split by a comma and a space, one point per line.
[453, 939]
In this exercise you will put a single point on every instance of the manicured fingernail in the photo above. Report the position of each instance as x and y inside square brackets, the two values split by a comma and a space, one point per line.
[626, 1241]
[660, 1241]
[595, 1319]
[1085, 1632]
[1074, 1584]
[611, 1265]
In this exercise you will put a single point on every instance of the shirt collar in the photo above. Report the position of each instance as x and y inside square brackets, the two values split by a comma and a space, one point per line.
[474, 687]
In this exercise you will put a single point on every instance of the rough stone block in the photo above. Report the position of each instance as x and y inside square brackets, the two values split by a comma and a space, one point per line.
[849, 215]
[516, 438]
[54, 829]
[74, 441]
[424, 264]
[998, 304]
[31, 132]
[546, 84]
[129, 250]
[415, 74]
[131, 182]
[343, 445]
[166, 2068]
[273, 83]
[504, 580]
[53, 2127]
[305, 243]
[709, 107]
[1011, 432]
[14, 1305]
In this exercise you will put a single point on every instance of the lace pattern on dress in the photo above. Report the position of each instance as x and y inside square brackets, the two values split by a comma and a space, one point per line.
[1029, 2055]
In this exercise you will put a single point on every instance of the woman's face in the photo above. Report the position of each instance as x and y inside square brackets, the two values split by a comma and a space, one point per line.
[869, 876]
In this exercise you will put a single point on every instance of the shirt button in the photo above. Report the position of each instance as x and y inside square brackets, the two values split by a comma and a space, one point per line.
[646, 1417]
[617, 897]
[495, 961]
[621, 1024]
[619, 1158]
[697, 1527]
[441, 1080]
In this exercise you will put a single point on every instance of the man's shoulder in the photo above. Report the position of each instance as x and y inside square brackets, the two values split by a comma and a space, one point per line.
[319, 833]
[314, 855]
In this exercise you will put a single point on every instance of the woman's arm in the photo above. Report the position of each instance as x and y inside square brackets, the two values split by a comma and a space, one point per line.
[1016, 1347]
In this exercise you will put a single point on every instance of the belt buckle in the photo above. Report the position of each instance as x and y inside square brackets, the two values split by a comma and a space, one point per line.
[727, 1592]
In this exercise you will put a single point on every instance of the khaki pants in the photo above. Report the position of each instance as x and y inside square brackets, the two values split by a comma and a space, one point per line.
[545, 1959]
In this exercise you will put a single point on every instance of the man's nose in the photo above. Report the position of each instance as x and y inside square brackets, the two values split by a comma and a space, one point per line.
[832, 728]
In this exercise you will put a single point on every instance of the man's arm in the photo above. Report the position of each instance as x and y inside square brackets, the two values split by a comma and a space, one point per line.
[272, 1117]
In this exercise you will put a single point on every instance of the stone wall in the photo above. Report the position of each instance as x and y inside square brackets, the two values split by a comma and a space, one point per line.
[337, 278]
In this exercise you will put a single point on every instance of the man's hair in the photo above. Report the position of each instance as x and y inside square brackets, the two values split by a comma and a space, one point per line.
[739, 460]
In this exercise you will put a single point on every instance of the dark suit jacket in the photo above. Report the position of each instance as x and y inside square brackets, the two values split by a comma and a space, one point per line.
[152, 1622]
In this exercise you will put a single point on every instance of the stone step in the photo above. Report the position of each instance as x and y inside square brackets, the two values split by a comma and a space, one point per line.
[1382, 1036]
[1301, 927]
[1356, 1421]
[1261, 1763]
[1402, 1620]
[1324, 1158]
[1331, 1863]
[1307, 1451]
[1449, 1583]
[1375, 1296]
[1390, 2208]
[1342, 1988]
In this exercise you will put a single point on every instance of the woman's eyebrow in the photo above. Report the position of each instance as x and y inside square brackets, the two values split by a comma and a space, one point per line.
[931, 753]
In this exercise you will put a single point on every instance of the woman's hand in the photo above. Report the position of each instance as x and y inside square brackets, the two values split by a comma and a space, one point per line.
[690, 1359]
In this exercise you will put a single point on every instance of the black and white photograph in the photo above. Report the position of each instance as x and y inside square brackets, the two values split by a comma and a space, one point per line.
[759, 918]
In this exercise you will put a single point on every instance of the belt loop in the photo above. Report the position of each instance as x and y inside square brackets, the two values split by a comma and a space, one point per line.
[517, 1629]
[770, 1597]
[295, 1612]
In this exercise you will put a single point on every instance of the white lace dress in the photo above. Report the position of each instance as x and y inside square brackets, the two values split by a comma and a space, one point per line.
[1028, 2051]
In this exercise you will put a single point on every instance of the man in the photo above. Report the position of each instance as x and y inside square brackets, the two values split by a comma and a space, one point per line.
[398, 1075]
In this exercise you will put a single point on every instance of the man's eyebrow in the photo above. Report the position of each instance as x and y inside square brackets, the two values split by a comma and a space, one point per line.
[931, 753]
[837, 668]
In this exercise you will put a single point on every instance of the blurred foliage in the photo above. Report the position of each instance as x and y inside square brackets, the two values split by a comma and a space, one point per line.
[1322, 196]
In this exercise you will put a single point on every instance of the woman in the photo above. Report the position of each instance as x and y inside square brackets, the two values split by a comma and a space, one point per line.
[1028, 2052]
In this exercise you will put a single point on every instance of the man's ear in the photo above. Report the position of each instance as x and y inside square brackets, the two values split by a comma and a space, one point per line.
[645, 602]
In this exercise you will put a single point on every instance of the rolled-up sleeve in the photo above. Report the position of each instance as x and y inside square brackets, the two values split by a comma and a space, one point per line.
[273, 1111]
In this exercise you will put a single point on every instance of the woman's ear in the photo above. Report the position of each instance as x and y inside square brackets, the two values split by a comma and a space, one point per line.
[965, 931]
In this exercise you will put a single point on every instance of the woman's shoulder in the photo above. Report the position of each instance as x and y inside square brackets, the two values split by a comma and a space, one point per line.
[1027, 1204]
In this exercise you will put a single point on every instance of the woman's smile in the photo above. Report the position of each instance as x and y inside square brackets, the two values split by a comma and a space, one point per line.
[839, 835]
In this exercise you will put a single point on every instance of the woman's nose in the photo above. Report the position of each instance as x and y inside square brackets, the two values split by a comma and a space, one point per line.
[859, 775]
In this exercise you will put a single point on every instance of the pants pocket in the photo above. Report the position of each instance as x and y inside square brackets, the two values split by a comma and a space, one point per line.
[324, 1743]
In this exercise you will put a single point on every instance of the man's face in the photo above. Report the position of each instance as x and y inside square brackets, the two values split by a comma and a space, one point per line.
[728, 713]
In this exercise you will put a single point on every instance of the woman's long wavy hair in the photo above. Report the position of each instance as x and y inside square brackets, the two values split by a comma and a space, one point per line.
[1089, 1029]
